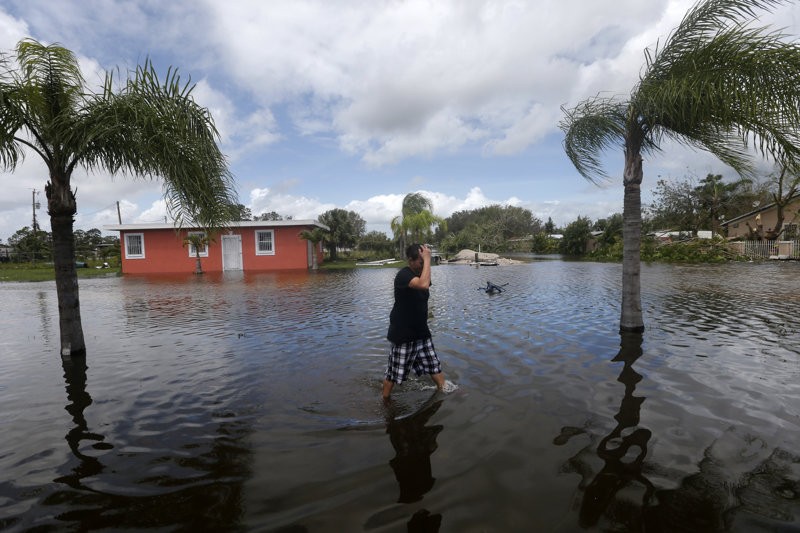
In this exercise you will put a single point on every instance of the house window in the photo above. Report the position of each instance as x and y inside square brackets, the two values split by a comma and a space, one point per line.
[134, 245]
[265, 242]
[790, 232]
[203, 248]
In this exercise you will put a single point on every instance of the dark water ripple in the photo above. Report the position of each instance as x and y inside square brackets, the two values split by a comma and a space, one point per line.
[250, 402]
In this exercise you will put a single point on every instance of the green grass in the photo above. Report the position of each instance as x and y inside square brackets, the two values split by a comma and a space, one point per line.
[45, 272]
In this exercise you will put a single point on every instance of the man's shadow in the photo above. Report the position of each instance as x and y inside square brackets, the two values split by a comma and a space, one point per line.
[414, 442]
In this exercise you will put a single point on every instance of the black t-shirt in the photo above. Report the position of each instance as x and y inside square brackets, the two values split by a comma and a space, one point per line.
[408, 320]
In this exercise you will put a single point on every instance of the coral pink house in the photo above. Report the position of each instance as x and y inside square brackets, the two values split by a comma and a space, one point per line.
[246, 245]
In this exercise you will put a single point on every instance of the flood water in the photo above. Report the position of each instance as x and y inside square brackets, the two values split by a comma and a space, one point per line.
[250, 402]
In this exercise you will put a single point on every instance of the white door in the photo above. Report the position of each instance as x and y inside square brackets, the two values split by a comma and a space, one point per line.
[231, 252]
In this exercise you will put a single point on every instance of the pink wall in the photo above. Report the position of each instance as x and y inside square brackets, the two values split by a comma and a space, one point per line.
[165, 252]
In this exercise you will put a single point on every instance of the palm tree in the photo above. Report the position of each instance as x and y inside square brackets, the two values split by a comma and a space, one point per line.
[146, 128]
[313, 236]
[416, 219]
[199, 241]
[716, 84]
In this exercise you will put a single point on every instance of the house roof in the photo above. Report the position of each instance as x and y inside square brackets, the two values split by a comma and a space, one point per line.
[234, 224]
[760, 209]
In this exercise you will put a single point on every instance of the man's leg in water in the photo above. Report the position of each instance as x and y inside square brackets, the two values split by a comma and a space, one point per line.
[387, 388]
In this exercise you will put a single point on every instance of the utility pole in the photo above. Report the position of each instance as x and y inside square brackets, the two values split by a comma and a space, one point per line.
[35, 206]
[119, 216]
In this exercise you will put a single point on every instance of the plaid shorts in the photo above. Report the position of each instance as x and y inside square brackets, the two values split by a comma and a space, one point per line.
[419, 355]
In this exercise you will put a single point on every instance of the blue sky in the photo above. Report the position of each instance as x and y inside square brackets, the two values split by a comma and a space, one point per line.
[354, 104]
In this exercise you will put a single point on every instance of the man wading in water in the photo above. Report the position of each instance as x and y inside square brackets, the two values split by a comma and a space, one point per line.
[412, 346]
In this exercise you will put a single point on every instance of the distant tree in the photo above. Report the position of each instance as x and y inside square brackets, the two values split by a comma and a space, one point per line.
[575, 236]
[714, 198]
[240, 212]
[785, 189]
[31, 245]
[376, 242]
[491, 227]
[87, 242]
[272, 215]
[544, 243]
[686, 205]
[346, 228]
[675, 205]
[110, 247]
[549, 227]
[611, 228]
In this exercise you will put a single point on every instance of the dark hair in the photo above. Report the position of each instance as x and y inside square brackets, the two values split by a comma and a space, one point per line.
[412, 252]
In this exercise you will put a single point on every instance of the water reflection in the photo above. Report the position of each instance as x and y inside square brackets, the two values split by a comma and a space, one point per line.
[622, 451]
[79, 399]
[414, 441]
[623, 454]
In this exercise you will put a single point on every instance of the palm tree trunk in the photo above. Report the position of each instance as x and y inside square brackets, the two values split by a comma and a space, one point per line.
[314, 260]
[631, 316]
[62, 208]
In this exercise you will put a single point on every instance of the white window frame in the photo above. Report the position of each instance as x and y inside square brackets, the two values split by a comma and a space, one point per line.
[203, 250]
[259, 251]
[128, 254]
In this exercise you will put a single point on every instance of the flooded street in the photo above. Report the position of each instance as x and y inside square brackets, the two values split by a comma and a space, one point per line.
[251, 402]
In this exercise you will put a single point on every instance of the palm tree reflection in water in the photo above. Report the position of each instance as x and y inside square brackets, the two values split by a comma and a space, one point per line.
[75, 378]
[414, 442]
[623, 455]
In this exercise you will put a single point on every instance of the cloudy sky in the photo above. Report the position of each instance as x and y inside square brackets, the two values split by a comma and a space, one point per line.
[354, 104]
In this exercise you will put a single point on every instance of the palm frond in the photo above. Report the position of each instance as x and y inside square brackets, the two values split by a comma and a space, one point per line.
[38, 101]
[416, 202]
[705, 19]
[730, 91]
[590, 128]
[157, 130]
[52, 86]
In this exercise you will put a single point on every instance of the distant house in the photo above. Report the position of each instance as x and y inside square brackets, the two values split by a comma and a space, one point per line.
[246, 245]
[760, 223]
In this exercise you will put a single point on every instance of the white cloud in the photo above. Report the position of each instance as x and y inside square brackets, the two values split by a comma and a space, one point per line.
[157, 212]
[405, 79]
[239, 133]
[263, 200]
[12, 30]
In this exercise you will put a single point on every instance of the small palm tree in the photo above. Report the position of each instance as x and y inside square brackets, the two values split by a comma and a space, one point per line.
[416, 219]
[148, 128]
[199, 241]
[314, 236]
[716, 84]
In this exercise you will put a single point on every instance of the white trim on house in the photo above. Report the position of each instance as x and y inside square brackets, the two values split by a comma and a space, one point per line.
[134, 250]
[265, 246]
